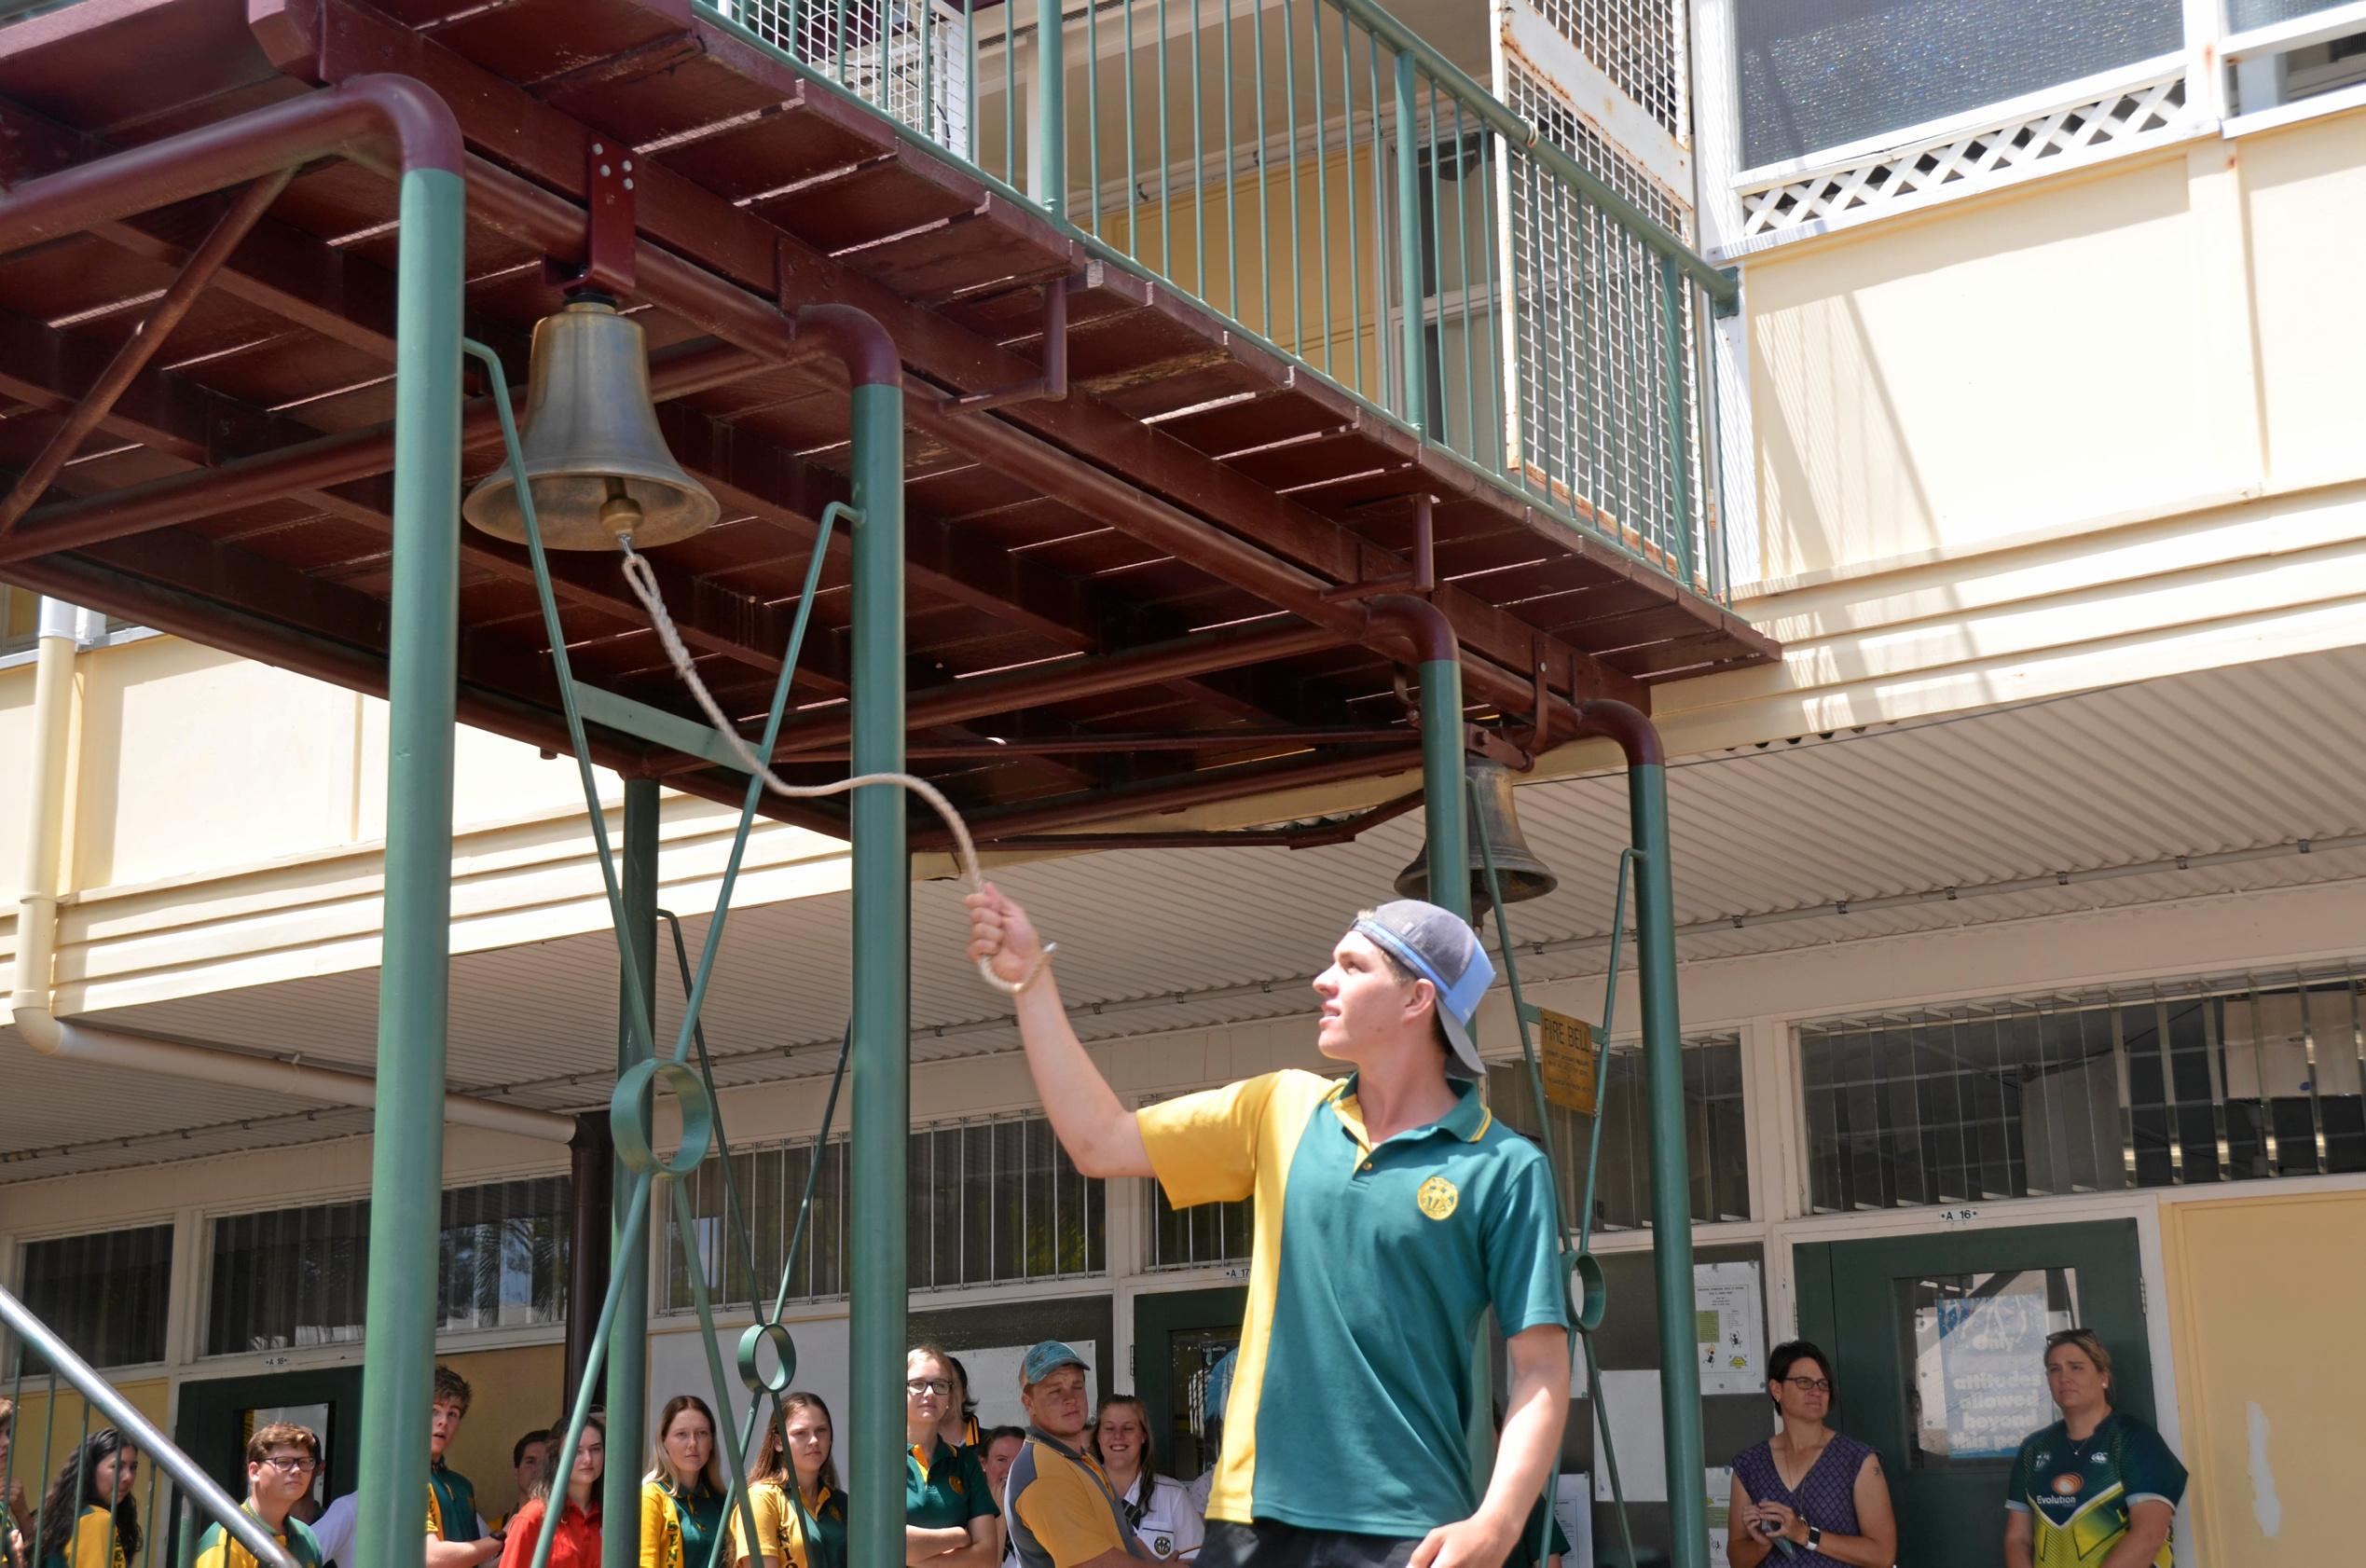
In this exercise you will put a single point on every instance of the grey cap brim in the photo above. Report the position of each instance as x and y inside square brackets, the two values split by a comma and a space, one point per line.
[1462, 1060]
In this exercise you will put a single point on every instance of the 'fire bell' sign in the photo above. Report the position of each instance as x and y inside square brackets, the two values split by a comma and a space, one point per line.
[1566, 1057]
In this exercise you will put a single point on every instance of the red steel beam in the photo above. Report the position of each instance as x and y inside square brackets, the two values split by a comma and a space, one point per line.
[1211, 786]
[142, 346]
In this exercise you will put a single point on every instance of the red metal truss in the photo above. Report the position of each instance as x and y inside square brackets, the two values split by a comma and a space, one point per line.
[200, 398]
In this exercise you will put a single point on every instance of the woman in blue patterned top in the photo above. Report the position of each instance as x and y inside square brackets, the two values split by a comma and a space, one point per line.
[1810, 1492]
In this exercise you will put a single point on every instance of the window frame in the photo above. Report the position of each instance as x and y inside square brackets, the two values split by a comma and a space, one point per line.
[201, 1290]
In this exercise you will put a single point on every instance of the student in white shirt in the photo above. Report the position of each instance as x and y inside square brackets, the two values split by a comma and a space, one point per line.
[1157, 1507]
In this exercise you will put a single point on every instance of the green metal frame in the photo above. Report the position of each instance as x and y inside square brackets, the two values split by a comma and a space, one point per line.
[878, 1038]
[406, 1159]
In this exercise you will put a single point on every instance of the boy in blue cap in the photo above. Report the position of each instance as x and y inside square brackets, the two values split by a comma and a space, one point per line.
[1062, 1511]
[1392, 1213]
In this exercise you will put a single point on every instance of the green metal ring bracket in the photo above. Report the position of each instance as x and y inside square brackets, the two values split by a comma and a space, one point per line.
[1592, 1287]
[636, 1094]
[784, 1352]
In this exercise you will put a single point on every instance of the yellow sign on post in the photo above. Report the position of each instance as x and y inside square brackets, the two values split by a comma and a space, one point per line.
[1567, 1061]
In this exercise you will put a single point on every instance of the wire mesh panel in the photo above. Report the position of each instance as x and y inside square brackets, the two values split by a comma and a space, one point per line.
[1639, 44]
[911, 61]
[1604, 359]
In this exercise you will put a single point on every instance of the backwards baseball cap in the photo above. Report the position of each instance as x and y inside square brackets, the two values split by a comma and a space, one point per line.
[1439, 946]
[1046, 1359]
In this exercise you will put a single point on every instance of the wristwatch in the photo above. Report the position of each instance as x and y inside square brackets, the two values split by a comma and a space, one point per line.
[1815, 1538]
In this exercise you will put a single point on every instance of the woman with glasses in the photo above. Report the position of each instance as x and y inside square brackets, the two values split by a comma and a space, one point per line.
[682, 1498]
[2098, 1485]
[1819, 1493]
[89, 1520]
[575, 1497]
[793, 1494]
[950, 1517]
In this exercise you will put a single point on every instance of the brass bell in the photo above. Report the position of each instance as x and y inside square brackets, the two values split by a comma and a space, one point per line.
[597, 464]
[1494, 823]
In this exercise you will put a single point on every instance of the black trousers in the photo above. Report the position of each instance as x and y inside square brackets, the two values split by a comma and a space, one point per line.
[1268, 1545]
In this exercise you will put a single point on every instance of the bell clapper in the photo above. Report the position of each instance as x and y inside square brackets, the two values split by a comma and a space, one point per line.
[620, 513]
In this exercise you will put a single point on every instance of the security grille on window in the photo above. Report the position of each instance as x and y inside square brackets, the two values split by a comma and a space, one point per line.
[990, 1203]
[1715, 1146]
[291, 1278]
[2192, 1081]
[104, 1294]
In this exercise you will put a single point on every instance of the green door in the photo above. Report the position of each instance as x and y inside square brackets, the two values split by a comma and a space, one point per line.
[1183, 1341]
[1939, 1350]
[217, 1416]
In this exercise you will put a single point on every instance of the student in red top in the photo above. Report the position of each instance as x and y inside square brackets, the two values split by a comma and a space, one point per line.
[577, 1542]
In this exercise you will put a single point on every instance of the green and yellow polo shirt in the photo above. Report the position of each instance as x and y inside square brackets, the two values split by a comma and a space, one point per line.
[219, 1549]
[944, 1489]
[1370, 1272]
[451, 1505]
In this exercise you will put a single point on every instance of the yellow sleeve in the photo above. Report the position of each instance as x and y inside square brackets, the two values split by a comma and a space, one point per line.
[768, 1503]
[214, 1550]
[1068, 1517]
[652, 1525]
[1203, 1146]
[92, 1533]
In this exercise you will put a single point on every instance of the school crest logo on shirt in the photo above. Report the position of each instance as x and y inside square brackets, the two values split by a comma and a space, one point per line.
[1437, 1197]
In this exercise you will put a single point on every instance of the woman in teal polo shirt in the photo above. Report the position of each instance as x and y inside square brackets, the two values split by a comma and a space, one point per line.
[950, 1518]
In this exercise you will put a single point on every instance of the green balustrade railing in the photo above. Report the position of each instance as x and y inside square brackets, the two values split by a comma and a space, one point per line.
[1338, 188]
[170, 1503]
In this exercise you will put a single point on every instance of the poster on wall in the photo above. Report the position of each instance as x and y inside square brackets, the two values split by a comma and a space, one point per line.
[1979, 1368]
[1729, 1312]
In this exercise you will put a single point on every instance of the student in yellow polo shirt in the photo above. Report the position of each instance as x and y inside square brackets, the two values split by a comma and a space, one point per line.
[1393, 1212]
[1062, 1511]
[90, 1518]
[281, 1461]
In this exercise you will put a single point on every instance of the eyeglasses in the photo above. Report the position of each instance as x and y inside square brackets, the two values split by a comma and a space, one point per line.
[1811, 1385]
[928, 1385]
[293, 1464]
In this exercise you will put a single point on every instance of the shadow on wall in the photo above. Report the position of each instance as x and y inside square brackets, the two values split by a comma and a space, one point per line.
[1983, 370]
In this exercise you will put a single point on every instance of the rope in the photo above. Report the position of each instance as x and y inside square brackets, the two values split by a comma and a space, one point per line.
[642, 579]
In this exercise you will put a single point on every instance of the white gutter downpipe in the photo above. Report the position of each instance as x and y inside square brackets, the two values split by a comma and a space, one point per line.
[37, 933]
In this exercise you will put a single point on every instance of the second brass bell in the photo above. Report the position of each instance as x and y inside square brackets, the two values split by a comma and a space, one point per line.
[1492, 822]
[598, 463]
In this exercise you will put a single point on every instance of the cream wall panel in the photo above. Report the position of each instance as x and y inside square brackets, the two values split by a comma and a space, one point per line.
[2264, 1311]
[1990, 369]
[192, 759]
[2305, 188]
[16, 785]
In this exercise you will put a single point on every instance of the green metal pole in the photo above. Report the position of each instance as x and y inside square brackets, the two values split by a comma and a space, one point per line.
[406, 1159]
[1671, 1170]
[882, 970]
[1409, 277]
[627, 1378]
[1047, 115]
[1444, 809]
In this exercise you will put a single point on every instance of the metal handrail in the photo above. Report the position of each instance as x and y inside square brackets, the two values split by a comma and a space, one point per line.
[1721, 284]
[1459, 274]
[142, 1434]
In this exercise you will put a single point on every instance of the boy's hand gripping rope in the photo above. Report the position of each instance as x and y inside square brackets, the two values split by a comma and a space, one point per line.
[643, 581]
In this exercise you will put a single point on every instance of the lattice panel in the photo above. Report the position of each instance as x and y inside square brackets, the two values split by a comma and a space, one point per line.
[1966, 158]
[1639, 44]
[1590, 362]
[912, 62]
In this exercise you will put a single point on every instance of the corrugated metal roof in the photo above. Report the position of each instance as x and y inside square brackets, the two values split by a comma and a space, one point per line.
[2233, 759]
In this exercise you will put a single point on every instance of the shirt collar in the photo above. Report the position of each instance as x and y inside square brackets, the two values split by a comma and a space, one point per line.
[1468, 1120]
